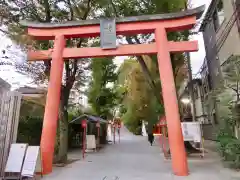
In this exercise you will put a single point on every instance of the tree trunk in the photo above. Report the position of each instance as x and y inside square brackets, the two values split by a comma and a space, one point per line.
[63, 136]
[61, 153]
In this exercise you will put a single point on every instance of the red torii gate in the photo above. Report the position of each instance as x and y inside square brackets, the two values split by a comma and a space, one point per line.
[158, 24]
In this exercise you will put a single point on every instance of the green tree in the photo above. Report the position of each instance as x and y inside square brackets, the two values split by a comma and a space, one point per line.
[66, 10]
[145, 91]
[229, 109]
[49, 11]
[101, 94]
[137, 99]
[133, 8]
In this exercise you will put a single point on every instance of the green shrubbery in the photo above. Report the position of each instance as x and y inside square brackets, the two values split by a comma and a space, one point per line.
[228, 97]
[229, 148]
[29, 130]
[30, 123]
[229, 145]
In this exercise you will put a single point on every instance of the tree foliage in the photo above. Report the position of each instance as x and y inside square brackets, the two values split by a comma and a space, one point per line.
[227, 95]
[30, 122]
[30, 135]
[49, 11]
[101, 95]
[122, 8]
[231, 74]
[139, 83]
[137, 99]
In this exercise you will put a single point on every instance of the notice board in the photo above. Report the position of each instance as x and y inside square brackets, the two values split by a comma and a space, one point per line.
[16, 158]
[32, 162]
[191, 131]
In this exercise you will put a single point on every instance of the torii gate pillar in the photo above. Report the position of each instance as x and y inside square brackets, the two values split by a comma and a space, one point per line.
[158, 24]
[177, 148]
[52, 104]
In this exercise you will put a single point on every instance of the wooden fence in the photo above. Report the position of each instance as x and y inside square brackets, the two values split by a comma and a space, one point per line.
[10, 103]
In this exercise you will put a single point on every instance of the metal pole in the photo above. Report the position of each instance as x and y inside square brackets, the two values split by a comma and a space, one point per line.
[84, 142]
[98, 132]
[160, 138]
[191, 87]
[99, 136]
[164, 140]
[114, 133]
[119, 135]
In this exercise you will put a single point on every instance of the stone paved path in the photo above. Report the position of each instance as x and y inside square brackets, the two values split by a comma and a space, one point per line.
[134, 159]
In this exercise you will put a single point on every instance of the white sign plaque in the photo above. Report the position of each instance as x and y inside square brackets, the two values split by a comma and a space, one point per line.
[16, 158]
[108, 35]
[109, 133]
[191, 131]
[91, 142]
[32, 162]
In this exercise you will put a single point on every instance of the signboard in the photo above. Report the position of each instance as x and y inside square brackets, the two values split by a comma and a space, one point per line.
[144, 131]
[15, 158]
[109, 133]
[108, 36]
[91, 142]
[191, 131]
[32, 162]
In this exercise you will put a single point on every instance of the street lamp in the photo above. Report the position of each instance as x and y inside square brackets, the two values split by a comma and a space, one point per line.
[185, 100]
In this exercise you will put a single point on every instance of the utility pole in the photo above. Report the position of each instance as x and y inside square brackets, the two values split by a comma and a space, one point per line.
[190, 79]
[191, 87]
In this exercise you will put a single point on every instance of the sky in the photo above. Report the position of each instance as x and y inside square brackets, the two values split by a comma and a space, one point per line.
[8, 73]
[15, 79]
[197, 58]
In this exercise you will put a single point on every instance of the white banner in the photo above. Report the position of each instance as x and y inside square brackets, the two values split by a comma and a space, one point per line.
[109, 133]
[191, 131]
[144, 132]
[15, 158]
[32, 162]
[91, 142]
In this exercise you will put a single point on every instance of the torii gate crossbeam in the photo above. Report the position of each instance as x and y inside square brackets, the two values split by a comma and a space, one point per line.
[158, 24]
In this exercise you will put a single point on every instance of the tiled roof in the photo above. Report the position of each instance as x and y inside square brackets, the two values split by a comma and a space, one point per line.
[30, 90]
[90, 118]
[4, 84]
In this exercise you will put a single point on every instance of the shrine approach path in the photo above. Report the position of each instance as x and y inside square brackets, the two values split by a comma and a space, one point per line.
[134, 159]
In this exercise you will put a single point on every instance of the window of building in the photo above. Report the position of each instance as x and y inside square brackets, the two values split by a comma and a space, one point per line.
[215, 118]
[236, 5]
[205, 89]
[195, 90]
[209, 82]
[220, 12]
[202, 92]
[218, 15]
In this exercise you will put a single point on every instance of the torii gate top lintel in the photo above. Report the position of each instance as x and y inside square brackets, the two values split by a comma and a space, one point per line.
[90, 28]
[197, 12]
[125, 26]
